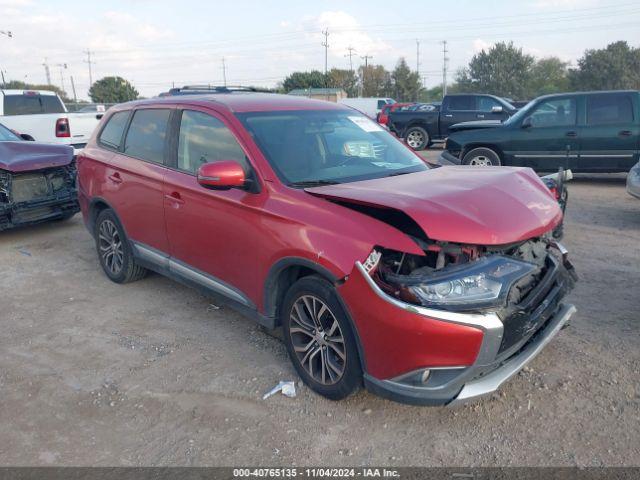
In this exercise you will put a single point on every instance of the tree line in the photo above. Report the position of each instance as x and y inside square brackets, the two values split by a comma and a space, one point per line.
[503, 70]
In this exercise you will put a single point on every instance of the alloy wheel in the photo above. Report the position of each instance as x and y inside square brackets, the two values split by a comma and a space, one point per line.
[110, 246]
[317, 339]
[415, 139]
[481, 161]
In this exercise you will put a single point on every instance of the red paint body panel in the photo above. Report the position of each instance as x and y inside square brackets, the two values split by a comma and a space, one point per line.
[480, 205]
[397, 341]
[18, 157]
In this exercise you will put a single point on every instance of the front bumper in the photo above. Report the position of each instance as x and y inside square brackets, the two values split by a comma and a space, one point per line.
[61, 205]
[401, 341]
[447, 158]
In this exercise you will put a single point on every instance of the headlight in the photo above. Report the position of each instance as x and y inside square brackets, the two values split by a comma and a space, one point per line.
[483, 283]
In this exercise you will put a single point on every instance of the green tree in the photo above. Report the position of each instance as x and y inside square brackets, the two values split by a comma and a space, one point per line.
[548, 75]
[615, 67]
[433, 94]
[312, 79]
[112, 90]
[406, 84]
[502, 70]
[344, 79]
[376, 81]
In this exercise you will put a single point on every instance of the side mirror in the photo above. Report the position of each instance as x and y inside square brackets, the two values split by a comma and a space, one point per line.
[221, 175]
[527, 123]
[27, 137]
[496, 109]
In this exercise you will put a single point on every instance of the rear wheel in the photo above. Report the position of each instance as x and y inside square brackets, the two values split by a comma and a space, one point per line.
[481, 157]
[114, 250]
[417, 138]
[319, 339]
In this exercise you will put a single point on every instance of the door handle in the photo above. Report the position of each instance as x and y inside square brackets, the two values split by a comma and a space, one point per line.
[572, 134]
[625, 133]
[480, 115]
[115, 178]
[175, 199]
[448, 115]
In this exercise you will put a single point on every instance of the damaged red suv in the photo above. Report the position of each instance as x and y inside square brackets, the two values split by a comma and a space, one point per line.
[429, 285]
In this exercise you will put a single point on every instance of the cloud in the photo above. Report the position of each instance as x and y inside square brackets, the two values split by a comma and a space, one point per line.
[563, 4]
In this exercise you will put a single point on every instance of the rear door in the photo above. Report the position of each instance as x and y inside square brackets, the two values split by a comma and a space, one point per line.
[551, 139]
[134, 176]
[457, 108]
[609, 134]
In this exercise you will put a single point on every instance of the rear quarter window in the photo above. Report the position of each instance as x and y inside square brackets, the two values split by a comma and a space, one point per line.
[146, 135]
[32, 104]
[111, 135]
[609, 109]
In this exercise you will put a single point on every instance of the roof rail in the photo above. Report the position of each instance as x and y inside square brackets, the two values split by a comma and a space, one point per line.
[199, 89]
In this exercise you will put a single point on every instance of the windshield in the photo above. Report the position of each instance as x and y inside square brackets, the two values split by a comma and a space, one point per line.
[7, 135]
[520, 114]
[322, 147]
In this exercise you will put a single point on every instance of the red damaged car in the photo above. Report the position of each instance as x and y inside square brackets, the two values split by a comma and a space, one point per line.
[429, 285]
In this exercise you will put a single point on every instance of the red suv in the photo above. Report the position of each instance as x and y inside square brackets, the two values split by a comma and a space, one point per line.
[430, 285]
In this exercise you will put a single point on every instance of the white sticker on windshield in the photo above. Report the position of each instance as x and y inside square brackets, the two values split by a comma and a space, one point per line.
[366, 124]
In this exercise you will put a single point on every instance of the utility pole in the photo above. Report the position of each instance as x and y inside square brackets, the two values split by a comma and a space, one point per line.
[366, 64]
[89, 62]
[73, 87]
[325, 44]
[445, 59]
[47, 71]
[62, 66]
[8, 33]
[224, 72]
[351, 53]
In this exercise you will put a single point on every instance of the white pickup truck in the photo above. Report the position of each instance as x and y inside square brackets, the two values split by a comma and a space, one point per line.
[42, 116]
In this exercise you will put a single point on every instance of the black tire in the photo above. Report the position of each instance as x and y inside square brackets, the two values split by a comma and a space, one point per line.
[417, 138]
[481, 156]
[126, 270]
[324, 354]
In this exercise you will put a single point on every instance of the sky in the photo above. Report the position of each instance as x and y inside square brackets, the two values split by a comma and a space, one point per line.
[155, 44]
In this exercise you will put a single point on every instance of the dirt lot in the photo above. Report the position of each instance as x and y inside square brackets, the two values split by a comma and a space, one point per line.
[93, 373]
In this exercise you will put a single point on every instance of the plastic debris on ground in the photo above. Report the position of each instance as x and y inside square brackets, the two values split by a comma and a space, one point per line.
[288, 389]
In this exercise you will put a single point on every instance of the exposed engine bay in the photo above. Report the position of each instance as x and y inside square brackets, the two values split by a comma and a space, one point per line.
[35, 196]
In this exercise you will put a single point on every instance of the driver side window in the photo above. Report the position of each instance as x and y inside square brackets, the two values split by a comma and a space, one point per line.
[560, 112]
[204, 139]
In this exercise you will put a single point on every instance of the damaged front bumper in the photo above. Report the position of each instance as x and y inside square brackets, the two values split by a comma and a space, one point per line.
[34, 197]
[432, 373]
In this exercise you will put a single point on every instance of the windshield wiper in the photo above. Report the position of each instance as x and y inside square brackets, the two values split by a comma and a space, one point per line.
[312, 183]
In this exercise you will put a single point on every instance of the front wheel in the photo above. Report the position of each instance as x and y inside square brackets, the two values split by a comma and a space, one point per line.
[481, 157]
[319, 339]
[417, 138]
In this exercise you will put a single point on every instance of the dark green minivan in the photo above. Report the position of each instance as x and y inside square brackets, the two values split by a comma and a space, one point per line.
[585, 131]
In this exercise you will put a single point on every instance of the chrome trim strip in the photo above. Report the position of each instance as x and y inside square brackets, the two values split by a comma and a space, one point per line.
[490, 323]
[594, 155]
[538, 155]
[207, 281]
[492, 381]
[151, 255]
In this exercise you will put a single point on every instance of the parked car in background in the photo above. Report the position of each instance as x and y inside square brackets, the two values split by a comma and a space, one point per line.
[584, 132]
[432, 285]
[37, 181]
[383, 116]
[370, 106]
[422, 128]
[633, 181]
[42, 115]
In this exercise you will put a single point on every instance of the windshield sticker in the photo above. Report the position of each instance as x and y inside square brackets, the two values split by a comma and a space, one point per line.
[366, 124]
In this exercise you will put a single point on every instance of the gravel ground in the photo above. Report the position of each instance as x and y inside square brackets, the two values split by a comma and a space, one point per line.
[93, 373]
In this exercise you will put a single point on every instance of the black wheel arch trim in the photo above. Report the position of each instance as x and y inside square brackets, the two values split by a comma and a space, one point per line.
[270, 295]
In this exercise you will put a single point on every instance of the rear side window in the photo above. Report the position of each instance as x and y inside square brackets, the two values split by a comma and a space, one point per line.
[111, 135]
[204, 139]
[462, 102]
[32, 104]
[608, 109]
[145, 138]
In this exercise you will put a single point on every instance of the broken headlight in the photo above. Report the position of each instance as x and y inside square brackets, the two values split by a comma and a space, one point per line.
[480, 284]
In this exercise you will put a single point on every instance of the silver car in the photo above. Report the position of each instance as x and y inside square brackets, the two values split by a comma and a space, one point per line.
[633, 181]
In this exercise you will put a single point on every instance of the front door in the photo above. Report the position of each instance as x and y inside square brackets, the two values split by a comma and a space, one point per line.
[213, 234]
[608, 140]
[548, 137]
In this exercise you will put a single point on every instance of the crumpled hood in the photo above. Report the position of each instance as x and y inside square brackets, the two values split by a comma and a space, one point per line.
[471, 205]
[25, 156]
